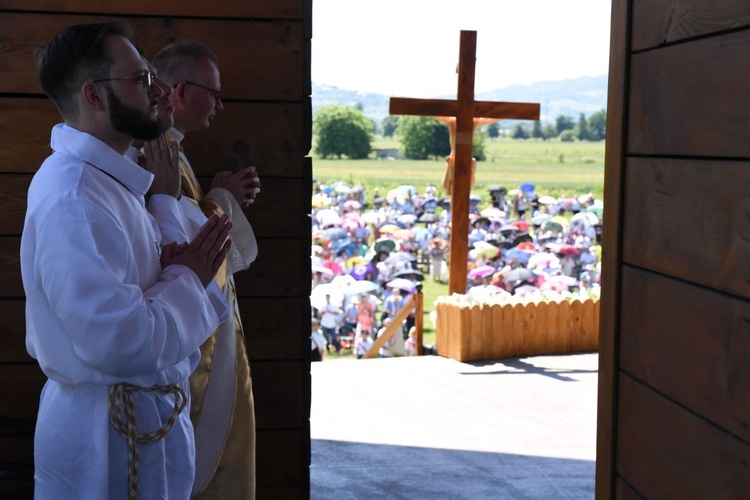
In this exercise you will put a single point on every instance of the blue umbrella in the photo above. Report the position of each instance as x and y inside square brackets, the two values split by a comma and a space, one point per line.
[521, 256]
[335, 233]
[351, 249]
[528, 187]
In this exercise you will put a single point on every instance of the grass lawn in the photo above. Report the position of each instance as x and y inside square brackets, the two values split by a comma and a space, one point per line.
[557, 168]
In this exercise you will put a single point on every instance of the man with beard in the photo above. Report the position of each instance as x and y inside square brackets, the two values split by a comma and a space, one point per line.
[115, 314]
[222, 406]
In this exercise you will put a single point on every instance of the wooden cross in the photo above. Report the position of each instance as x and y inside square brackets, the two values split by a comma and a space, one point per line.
[465, 109]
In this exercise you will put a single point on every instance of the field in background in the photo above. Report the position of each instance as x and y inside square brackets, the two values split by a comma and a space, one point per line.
[557, 168]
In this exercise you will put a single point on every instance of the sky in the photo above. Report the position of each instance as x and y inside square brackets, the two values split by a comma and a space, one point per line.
[409, 48]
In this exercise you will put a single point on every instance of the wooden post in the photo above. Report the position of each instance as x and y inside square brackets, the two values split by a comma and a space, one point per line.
[419, 323]
[393, 327]
[466, 111]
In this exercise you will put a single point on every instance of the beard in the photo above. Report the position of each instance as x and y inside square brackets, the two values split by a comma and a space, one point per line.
[130, 121]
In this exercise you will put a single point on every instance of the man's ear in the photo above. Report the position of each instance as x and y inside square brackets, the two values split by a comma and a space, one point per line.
[93, 95]
[178, 94]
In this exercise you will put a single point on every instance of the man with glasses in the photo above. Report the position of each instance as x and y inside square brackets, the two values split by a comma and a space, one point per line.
[222, 405]
[115, 314]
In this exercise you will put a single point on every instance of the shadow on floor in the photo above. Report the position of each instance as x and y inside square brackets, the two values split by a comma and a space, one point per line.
[358, 471]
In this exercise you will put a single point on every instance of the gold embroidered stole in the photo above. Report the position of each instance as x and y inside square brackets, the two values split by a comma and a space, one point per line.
[234, 475]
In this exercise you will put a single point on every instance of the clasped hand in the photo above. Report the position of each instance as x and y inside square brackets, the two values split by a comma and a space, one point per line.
[161, 158]
[205, 254]
[243, 184]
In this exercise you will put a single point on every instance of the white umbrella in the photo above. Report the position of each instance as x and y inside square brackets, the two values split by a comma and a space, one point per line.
[403, 284]
[373, 217]
[328, 216]
[547, 200]
[361, 286]
[343, 280]
[407, 219]
[318, 295]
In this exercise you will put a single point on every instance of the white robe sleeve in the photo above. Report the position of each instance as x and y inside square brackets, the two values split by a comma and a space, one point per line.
[244, 248]
[116, 326]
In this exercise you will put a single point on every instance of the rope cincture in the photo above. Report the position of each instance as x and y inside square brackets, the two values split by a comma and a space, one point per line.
[122, 416]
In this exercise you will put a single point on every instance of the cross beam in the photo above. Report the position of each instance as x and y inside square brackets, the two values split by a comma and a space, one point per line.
[465, 109]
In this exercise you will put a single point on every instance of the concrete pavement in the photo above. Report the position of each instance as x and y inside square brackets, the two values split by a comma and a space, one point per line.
[434, 428]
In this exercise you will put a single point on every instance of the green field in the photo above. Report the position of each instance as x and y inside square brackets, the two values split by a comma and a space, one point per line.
[556, 168]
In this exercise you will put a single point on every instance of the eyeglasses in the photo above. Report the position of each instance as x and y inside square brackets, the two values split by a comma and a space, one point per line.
[146, 79]
[216, 94]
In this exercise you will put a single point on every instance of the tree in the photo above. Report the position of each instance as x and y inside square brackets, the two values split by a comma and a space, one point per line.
[477, 147]
[342, 131]
[564, 122]
[568, 135]
[549, 131]
[583, 129]
[422, 137]
[536, 130]
[519, 132]
[598, 125]
[493, 130]
[389, 125]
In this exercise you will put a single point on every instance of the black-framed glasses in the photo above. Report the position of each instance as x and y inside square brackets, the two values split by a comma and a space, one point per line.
[216, 94]
[147, 79]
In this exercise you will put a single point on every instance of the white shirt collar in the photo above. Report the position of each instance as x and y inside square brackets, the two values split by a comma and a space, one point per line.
[71, 141]
[178, 136]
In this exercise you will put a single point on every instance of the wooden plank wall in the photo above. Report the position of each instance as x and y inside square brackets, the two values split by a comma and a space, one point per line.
[264, 53]
[674, 407]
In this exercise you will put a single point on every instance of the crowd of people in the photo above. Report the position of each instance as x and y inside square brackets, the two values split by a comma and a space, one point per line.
[521, 243]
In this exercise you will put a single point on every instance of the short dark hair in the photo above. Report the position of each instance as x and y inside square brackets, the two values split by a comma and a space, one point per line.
[75, 55]
[179, 60]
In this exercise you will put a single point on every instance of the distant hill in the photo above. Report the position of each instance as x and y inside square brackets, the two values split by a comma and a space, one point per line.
[566, 97]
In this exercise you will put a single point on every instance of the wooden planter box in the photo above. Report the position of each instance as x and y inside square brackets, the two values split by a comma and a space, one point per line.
[469, 333]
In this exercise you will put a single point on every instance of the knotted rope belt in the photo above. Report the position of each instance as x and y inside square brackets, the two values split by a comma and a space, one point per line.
[122, 416]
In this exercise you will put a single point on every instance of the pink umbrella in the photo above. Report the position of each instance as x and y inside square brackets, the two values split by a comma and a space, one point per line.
[563, 248]
[481, 272]
[352, 205]
[332, 265]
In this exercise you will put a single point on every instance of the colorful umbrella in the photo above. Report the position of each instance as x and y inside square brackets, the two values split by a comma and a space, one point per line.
[563, 249]
[402, 284]
[384, 245]
[481, 272]
[389, 228]
[484, 252]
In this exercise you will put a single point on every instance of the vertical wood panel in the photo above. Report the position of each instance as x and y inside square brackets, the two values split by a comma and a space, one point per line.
[668, 21]
[613, 186]
[283, 464]
[690, 219]
[277, 394]
[689, 343]
[13, 336]
[679, 107]
[665, 451]
[287, 9]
